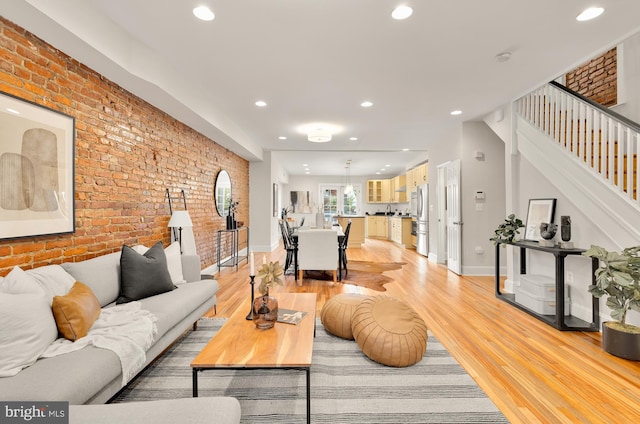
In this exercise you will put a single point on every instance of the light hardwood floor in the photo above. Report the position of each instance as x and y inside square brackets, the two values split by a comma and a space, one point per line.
[532, 372]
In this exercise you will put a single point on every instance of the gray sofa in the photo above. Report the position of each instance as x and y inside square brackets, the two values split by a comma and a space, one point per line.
[93, 375]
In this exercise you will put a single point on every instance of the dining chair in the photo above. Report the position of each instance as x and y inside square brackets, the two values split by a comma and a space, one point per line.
[290, 248]
[343, 250]
[317, 250]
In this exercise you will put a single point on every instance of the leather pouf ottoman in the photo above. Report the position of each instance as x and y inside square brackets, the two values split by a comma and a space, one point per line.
[389, 331]
[337, 311]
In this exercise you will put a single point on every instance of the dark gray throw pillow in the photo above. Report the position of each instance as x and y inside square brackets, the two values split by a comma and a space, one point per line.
[143, 275]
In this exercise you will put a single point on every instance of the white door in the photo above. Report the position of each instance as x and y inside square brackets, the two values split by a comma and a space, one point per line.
[454, 217]
[442, 213]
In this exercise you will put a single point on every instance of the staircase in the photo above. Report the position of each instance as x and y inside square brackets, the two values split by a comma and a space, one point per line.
[588, 152]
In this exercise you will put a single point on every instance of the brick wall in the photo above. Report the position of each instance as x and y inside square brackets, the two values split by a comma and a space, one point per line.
[127, 153]
[597, 80]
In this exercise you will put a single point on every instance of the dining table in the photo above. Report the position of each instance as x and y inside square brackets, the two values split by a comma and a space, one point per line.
[294, 241]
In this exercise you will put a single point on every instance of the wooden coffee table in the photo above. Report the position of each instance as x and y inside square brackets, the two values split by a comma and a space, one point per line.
[239, 345]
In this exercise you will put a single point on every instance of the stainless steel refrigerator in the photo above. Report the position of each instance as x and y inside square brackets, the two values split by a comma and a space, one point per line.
[422, 212]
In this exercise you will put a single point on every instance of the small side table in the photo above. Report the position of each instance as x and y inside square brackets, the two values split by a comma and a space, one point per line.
[234, 257]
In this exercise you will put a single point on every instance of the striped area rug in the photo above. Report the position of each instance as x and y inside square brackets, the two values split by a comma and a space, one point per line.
[346, 387]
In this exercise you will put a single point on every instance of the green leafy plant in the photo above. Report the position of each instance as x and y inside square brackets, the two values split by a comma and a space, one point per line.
[507, 231]
[270, 275]
[618, 278]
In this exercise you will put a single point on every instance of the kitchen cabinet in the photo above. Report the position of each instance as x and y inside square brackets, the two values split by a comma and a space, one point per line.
[417, 176]
[374, 191]
[377, 227]
[398, 183]
[400, 231]
[378, 191]
[386, 191]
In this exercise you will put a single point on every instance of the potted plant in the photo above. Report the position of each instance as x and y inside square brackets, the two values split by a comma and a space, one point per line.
[265, 307]
[618, 278]
[507, 231]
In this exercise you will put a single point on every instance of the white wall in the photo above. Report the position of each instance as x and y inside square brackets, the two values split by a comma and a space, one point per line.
[264, 235]
[481, 217]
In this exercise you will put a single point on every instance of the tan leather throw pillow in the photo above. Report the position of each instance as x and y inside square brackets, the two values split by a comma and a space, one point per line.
[76, 311]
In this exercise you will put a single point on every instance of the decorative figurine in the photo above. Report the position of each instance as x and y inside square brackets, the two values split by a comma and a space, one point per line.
[547, 232]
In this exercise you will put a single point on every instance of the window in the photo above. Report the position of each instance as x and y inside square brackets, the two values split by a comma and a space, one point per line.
[335, 201]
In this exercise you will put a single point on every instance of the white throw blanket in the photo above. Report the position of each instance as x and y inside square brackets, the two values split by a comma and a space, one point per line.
[127, 330]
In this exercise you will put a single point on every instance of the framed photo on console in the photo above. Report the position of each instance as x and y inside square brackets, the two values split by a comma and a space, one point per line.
[37, 168]
[540, 210]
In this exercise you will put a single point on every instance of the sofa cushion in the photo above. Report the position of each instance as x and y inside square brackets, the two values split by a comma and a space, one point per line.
[53, 279]
[101, 274]
[19, 282]
[221, 410]
[145, 275]
[26, 331]
[171, 308]
[76, 377]
[76, 311]
[174, 262]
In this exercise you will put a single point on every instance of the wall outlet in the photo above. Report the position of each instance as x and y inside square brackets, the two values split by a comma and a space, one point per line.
[569, 277]
[479, 250]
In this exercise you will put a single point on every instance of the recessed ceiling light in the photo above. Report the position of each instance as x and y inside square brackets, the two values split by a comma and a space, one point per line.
[307, 172]
[261, 103]
[405, 150]
[456, 112]
[590, 13]
[203, 13]
[282, 137]
[401, 12]
[366, 103]
[305, 164]
[387, 165]
[353, 138]
[378, 173]
[15, 112]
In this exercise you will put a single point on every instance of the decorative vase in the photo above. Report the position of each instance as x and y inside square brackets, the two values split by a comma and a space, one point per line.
[565, 232]
[229, 222]
[265, 311]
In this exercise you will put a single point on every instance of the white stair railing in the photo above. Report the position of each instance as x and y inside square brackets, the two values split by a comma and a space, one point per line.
[604, 142]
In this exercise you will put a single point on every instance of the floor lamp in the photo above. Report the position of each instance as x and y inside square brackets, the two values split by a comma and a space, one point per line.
[180, 220]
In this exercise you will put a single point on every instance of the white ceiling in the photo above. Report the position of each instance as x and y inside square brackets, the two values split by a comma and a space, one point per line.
[316, 61]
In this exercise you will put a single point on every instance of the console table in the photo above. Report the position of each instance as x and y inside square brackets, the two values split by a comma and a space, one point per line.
[234, 257]
[559, 320]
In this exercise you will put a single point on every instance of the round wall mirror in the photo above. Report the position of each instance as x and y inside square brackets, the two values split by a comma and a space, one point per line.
[222, 193]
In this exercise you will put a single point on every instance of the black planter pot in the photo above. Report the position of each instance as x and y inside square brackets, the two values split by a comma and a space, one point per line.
[619, 343]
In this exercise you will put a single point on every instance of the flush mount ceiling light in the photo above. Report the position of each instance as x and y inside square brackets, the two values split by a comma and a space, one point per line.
[353, 138]
[319, 135]
[261, 103]
[590, 13]
[203, 13]
[282, 137]
[401, 12]
[456, 112]
[366, 103]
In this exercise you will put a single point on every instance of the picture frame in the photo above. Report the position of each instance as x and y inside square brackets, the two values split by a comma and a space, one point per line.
[539, 211]
[275, 200]
[37, 167]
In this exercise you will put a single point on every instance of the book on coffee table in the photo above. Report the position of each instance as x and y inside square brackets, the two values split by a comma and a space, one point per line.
[290, 316]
